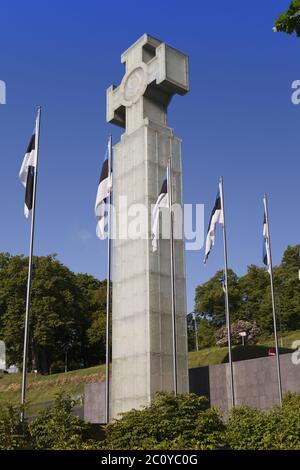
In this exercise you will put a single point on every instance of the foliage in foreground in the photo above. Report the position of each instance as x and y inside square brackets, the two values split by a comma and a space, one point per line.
[277, 429]
[13, 436]
[170, 423]
[289, 21]
[54, 428]
[181, 422]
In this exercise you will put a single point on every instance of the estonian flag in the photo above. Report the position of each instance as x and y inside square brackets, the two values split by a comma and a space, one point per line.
[104, 188]
[266, 244]
[27, 174]
[217, 216]
[162, 201]
[223, 283]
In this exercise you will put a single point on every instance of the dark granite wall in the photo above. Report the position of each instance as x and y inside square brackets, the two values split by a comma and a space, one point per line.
[255, 381]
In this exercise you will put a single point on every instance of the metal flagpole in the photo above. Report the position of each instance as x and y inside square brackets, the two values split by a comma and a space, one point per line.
[28, 295]
[173, 302]
[226, 294]
[196, 332]
[107, 368]
[273, 301]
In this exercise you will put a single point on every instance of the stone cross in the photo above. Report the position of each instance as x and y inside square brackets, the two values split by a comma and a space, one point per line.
[154, 72]
[142, 360]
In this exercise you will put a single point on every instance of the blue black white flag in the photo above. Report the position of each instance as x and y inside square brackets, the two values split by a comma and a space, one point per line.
[161, 202]
[223, 283]
[27, 174]
[217, 217]
[266, 243]
[104, 188]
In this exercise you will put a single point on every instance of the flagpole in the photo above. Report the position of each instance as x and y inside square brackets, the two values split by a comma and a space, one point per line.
[107, 368]
[173, 291]
[273, 302]
[28, 295]
[196, 332]
[226, 294]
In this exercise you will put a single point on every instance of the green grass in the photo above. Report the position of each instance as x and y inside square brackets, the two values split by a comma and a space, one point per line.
[216, 355]
[287, 339]
[210, 356]
[42, 389]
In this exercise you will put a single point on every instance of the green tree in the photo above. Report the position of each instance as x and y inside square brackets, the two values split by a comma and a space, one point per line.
[287, 286]
[290, 260]
[53, 313]
[256, 305]
[191, 332]
[63, 308]
[250, 296]
[256, 298]
[93, 320]
[289, 21]
[209, 298]
[205, 331]
[96, 332]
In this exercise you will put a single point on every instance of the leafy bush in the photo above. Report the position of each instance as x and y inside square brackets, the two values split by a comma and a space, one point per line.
[13, 434]
[286, 435]
[246, 429]
[291, 400]
[56, 428]
[277, 429]
[170, 422]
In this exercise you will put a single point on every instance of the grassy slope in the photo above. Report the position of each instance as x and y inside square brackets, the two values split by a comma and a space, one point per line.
[44, 388]
[216, 355]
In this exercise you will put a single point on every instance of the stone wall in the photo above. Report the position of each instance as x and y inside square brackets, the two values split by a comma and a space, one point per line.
[255, 381]
[94, 403]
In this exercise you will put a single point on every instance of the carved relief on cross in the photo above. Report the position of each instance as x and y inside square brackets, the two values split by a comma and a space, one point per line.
[154, 72]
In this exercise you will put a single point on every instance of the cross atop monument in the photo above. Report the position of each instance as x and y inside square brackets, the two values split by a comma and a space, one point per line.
[154, 72]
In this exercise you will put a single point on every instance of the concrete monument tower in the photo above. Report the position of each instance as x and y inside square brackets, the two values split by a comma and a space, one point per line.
[142, 360]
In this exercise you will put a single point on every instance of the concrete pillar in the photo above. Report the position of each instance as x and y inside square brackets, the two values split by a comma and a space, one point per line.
[141, 314]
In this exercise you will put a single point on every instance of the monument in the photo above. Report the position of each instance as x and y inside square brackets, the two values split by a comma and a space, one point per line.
[142, 361]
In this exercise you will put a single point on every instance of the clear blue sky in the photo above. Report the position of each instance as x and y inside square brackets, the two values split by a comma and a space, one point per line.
[237, 120]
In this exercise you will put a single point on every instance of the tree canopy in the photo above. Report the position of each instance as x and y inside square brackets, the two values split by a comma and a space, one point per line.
[65, 314]
[250, 296]
[289, 21]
